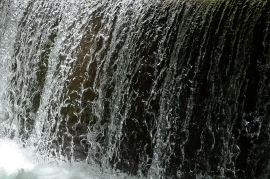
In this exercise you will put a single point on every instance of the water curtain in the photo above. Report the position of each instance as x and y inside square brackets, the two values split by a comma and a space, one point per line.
[157, 89]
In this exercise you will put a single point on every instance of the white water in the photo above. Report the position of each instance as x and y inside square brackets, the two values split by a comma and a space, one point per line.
[21, 163]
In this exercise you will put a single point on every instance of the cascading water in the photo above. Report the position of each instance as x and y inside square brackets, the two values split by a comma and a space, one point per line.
[156, 89]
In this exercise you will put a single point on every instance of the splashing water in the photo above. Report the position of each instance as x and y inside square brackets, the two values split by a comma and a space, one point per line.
[12, 159]
[21, 163]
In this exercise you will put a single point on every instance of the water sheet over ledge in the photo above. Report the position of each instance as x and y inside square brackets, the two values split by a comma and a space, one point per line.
[157, 89]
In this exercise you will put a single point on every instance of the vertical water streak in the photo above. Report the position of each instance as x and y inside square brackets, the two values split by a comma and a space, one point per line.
[11, 12]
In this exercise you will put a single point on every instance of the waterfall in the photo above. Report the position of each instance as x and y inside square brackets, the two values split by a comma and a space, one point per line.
[155, 89]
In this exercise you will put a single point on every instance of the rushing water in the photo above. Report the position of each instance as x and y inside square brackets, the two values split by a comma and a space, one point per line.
[156, 89]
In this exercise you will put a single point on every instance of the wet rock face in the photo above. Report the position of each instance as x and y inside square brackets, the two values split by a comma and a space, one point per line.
[164, 90]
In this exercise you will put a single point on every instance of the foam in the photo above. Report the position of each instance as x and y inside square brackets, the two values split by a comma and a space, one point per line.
[13, 158]
[20, 163]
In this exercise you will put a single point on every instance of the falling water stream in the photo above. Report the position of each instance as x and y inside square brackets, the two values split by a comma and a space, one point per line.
[139, 88]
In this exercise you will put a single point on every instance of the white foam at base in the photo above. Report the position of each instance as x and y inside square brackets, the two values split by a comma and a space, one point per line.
[19, 163]
[12, 158]
[16, 163]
